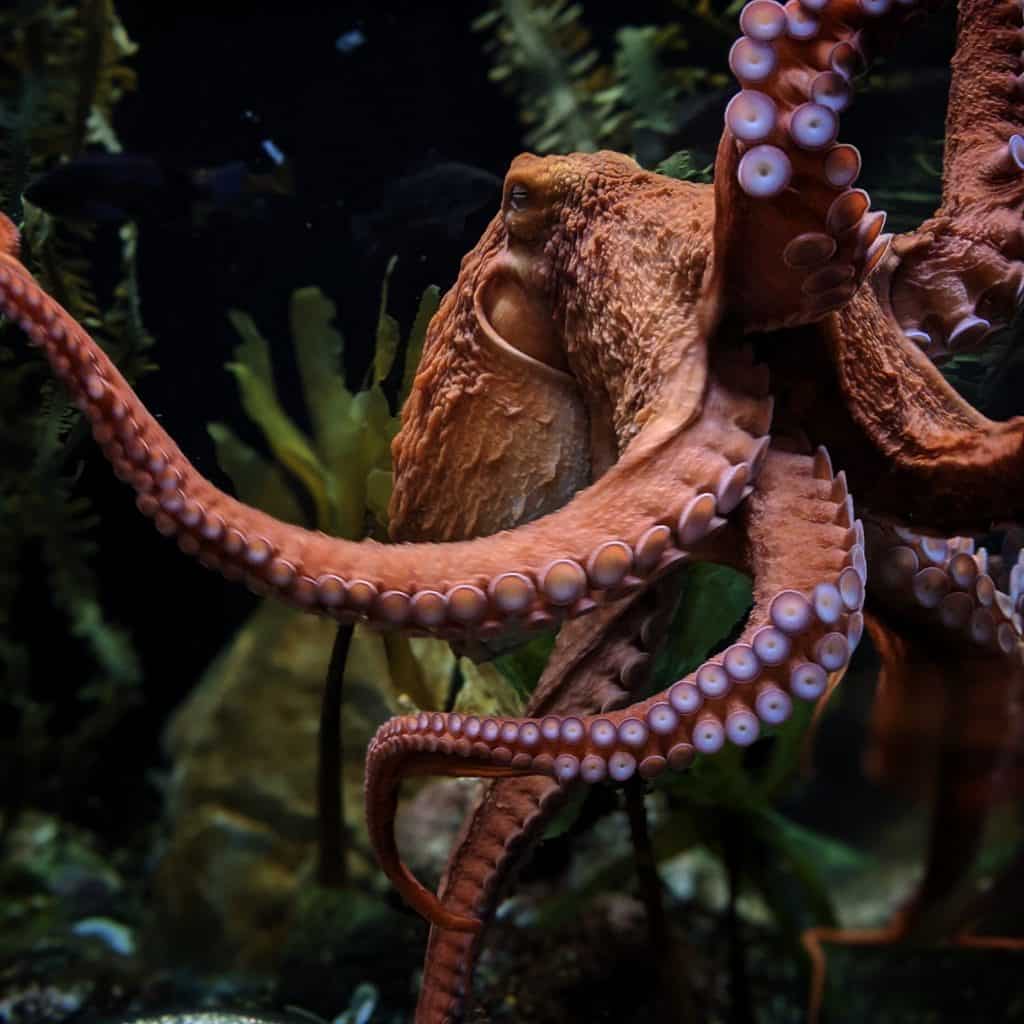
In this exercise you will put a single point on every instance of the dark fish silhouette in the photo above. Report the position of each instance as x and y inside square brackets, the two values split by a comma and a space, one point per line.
[436, 201]
[111, 188]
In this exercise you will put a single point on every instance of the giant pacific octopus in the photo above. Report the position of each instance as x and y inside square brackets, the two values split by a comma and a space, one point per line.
[589, 416]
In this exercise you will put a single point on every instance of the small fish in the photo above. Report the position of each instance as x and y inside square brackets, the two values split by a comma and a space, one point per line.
[435, 201]
[111, 188]
[350, 41]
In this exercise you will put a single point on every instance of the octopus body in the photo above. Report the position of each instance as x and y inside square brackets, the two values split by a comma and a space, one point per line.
[587, 417]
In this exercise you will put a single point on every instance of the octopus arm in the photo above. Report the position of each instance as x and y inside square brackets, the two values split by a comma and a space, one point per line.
[806, 554]
[659, 502]
[793, 237]
[960, 276]
[946, 725]
[947, 721]
[944, 463]
[596, 663]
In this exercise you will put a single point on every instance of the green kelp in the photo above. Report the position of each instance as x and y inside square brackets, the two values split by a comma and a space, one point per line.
[683, 166]
[62, 71]
[243, 807]
[573, 99]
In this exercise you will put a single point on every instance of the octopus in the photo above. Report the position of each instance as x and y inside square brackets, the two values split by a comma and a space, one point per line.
[632, 374]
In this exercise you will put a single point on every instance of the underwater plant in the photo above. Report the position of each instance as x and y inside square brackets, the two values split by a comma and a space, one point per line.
[62, 72]
[571, 100]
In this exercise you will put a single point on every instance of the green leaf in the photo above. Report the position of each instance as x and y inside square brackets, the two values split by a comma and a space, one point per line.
[566, 816]
[437, 667]
[255, 379]
[832, 855]
[718, 781]
[683, 167]
[809, 856]
[408, 675]
[485, 691]
[786, 752]
[256, 480]
[523, 666]
[646, 89]
[429, 301]
[319, 350]
[388, 336]
[379, 484]
[361, 443]
[714, 600]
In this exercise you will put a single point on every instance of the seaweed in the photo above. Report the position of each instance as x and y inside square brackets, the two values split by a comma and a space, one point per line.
[683, 167]
[62, 71]
[574, 98]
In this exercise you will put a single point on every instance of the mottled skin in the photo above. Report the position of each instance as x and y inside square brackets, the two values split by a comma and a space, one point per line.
[959, 276]
[585, 420]
[579, 318]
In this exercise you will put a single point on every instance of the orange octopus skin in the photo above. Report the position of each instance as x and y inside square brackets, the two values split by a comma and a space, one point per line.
[930, 449]
[582, 421]
[598, 662]
[951, 283]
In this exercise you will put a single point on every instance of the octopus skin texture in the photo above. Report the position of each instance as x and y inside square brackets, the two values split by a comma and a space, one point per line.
[588, 416]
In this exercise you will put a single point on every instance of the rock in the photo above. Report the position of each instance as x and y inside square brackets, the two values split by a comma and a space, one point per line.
[242, 811]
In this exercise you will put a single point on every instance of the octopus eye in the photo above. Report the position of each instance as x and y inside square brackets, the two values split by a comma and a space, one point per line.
[517, 197]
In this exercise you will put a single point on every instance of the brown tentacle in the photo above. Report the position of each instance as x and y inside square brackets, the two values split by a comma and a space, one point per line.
[482, 863]
[960, 276]
[680, 483]
[943, 582]
[597, 661]
[793, 238]
[947, 724]
[943, 463]
[809, 567]
[947, 721]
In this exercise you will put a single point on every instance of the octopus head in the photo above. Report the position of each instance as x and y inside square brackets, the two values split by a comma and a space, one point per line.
[535, 372]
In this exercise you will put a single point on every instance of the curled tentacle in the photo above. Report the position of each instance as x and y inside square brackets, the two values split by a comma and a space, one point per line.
[596, 548]
[960, 276]
[795, 236]
[809, 567]
[596, 663]
[943, 581]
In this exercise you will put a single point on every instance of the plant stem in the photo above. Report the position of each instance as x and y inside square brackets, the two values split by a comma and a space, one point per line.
[332, 869]
[678, 1005]
[740, 1006]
